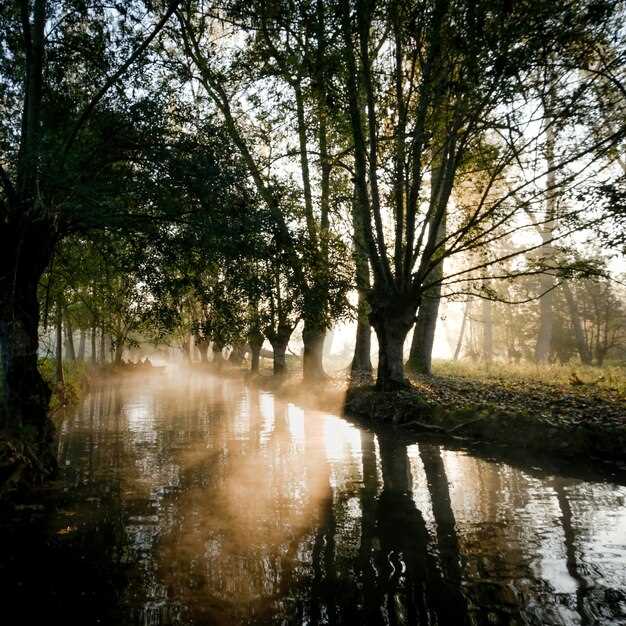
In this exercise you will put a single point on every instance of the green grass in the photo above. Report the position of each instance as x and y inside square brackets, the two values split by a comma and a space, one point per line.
[76, 376]
[610, 377]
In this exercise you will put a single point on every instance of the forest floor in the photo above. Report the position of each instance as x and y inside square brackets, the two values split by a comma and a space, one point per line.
[574, 394]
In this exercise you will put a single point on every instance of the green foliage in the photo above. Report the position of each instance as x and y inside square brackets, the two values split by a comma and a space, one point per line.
[76, 376]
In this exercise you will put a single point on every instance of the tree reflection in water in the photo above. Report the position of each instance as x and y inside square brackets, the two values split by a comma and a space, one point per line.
[207, 502]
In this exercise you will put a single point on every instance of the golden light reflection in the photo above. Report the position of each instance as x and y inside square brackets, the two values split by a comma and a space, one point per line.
[244, 502]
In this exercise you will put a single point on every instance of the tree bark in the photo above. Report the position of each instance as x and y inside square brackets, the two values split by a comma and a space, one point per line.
[119, 351]
[103, 350]
[421, 355]
[255, 340]
[59, 376]
[94, 356]
[81, 345]
[69, 339]
[361, 368]
[279, 342]
[546, 301]
[391, 316]
[25, 252]
[312, 361]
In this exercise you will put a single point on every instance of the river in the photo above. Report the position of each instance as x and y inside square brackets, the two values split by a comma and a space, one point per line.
[189, 499]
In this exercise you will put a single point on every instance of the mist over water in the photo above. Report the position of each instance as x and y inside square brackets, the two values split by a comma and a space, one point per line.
[195, 500]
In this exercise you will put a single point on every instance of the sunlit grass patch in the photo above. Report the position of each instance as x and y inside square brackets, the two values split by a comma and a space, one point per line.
[610, 377]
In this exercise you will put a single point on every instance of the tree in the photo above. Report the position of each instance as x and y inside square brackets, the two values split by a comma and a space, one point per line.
[457, 76]
[41, 169]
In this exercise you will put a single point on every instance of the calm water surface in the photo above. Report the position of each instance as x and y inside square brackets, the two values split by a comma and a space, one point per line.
[203, 501]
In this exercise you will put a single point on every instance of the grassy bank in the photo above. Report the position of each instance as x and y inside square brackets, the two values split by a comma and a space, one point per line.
[76, 376]
[559, 411]
[609, 379]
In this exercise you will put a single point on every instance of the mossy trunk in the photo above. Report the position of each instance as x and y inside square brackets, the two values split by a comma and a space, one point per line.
[25, 252]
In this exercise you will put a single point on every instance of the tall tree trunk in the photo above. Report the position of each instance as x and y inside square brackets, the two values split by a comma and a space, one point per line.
[546, 320]
[69, 338]
[313, 337]
[255, 341]
[103, 349]
[94, 330]
[579, 333]
[361, 368]
[82, 340]
[119, 351]
[24, 254]
[487, 331]
[391, 316]
[108, 343]
[218, 356]
[546, 252]
[60, 377]
[459, 343]
[279, 342]
[421, 355]
[27, 239]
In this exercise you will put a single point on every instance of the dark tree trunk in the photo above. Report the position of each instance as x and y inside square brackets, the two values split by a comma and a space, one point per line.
[421, 356]
[312, 361]
[218, 356]
[361, 368]
[119, 351]
[279, 361]
[69, 339]
[94, 356]
[103, 348]
[391, 316]
[279, 347]
[279, 341]
[59, 376]
[25, 252]
[81, 345]
[255, 341]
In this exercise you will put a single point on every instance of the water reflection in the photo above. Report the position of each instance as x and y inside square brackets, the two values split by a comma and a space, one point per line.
[203, 501]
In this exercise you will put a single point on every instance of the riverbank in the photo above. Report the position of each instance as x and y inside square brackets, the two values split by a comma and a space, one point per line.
[26, 460]
[579, 421]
